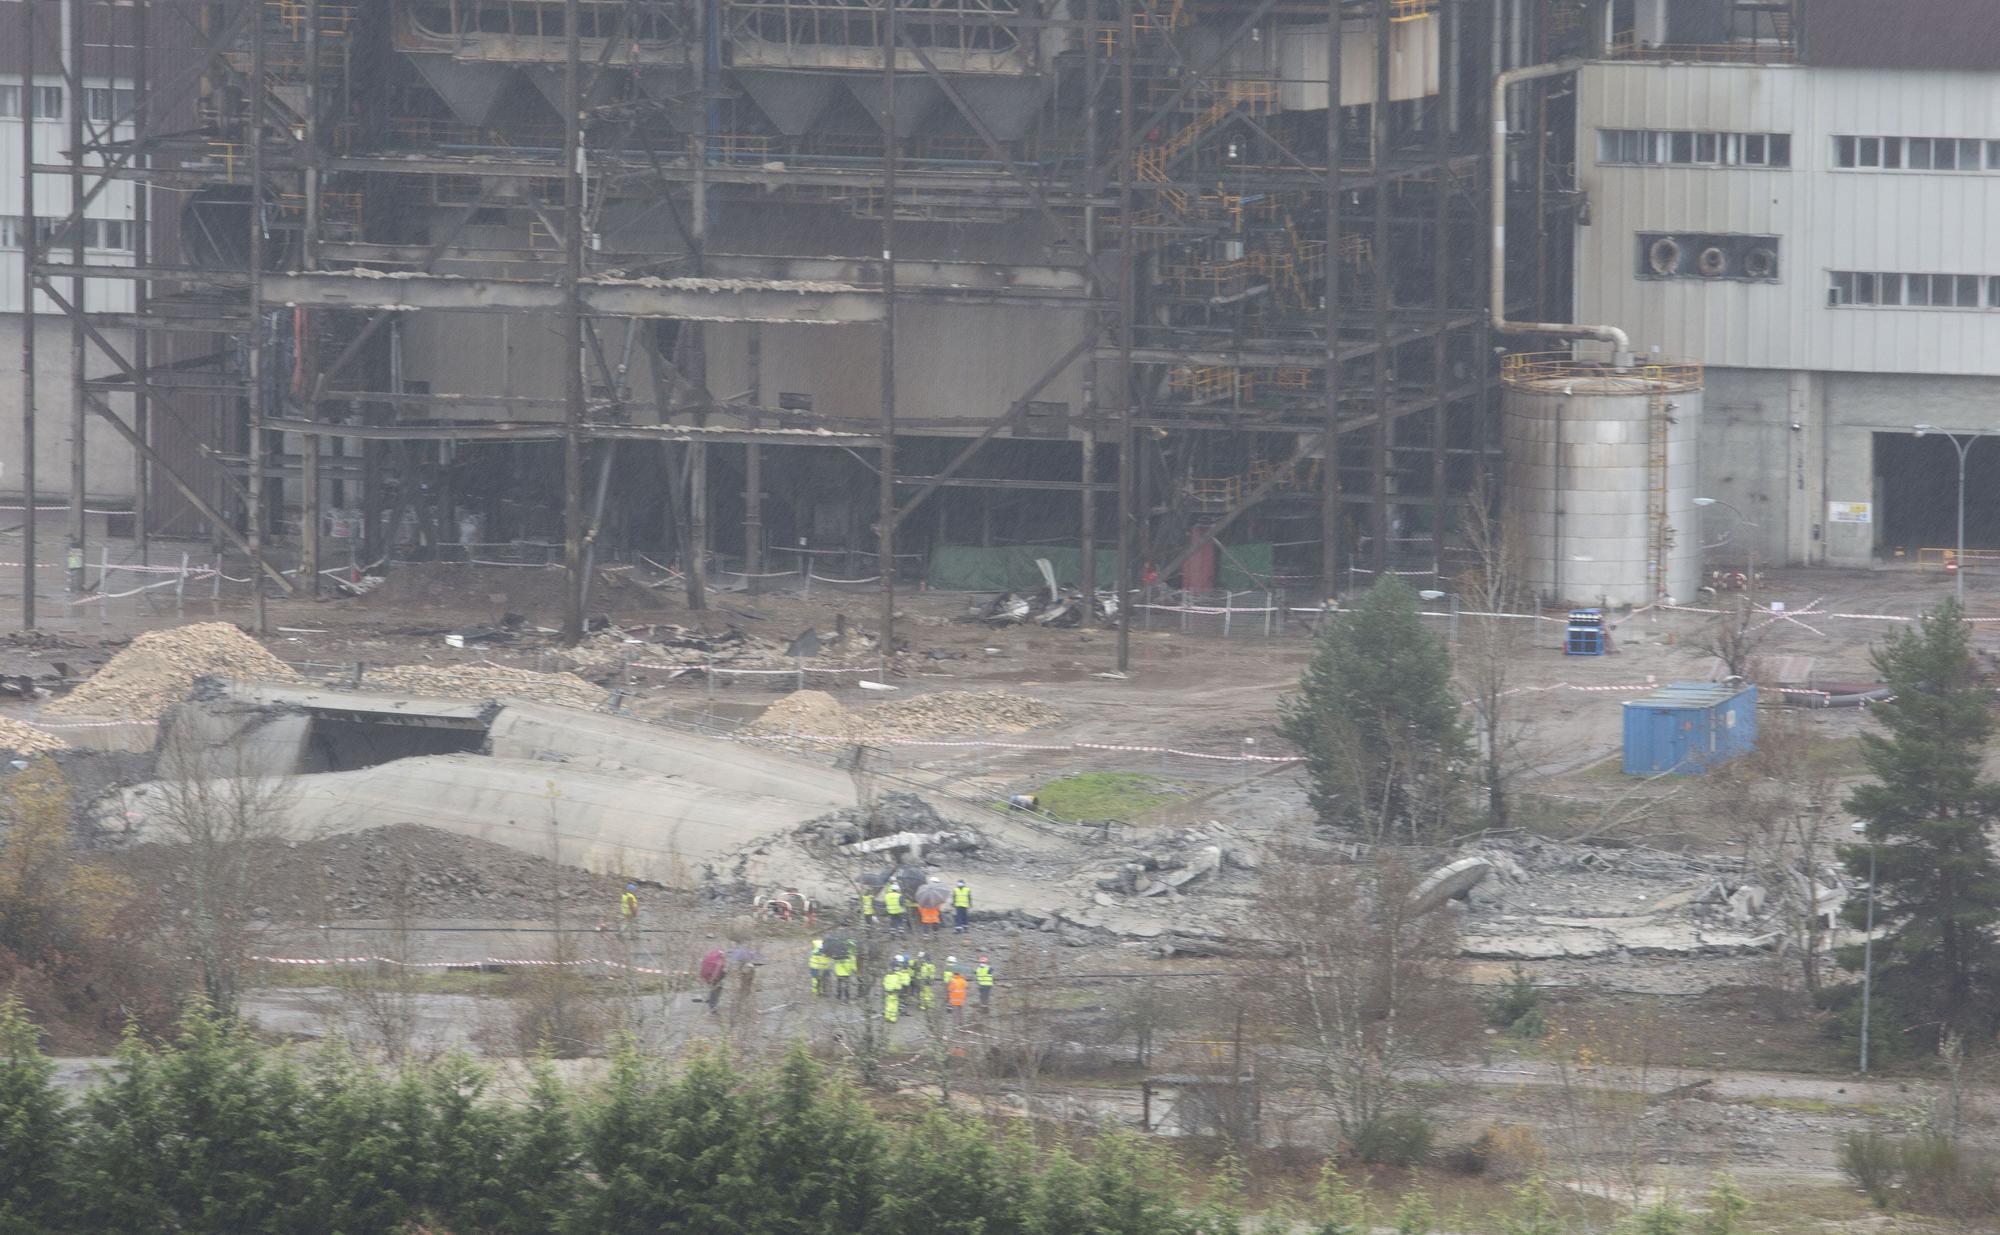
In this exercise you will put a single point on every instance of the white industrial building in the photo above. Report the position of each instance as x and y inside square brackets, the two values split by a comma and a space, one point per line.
[1820, 238]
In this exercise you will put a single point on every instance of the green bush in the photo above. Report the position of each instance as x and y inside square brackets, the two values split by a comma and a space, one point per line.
[1402, 1138]
[1871, 1163]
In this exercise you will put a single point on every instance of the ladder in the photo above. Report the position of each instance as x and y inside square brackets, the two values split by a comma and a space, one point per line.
[1659, 533]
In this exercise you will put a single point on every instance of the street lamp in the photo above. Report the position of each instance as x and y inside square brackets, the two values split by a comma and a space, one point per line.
[1964, 447]
[1749, 546]
[1867, 946]
[1433, 594]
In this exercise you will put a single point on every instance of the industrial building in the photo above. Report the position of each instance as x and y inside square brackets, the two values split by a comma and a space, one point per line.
[1111, 273]
[719, 280]
[1803, 206]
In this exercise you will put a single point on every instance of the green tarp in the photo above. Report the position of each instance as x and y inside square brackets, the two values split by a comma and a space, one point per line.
[1011, 568]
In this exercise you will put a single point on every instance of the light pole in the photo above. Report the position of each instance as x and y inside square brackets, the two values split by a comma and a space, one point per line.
[1963, 448]
[1867, 947]
[1749, 546]
[1433, 594]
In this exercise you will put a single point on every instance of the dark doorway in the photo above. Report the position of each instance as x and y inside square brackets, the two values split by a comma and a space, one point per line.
[1916, 486]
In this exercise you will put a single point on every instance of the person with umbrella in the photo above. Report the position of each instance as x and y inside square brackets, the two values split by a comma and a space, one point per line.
[931, 900]
[714, 968]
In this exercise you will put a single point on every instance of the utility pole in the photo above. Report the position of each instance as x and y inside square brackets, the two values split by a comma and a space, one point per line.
[885, 516]
[30, 249]
[1330, 501]
[572, 630]
[1127, 292]
[72, 15]
[258, 412]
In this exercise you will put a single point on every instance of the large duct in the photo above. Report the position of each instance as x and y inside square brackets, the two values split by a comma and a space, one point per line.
[793, 101]
[471, 90]
[1600, 475]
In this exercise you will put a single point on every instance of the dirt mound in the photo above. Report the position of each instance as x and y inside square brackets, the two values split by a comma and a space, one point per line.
[25, 739]
[946, 713]
[488, 682]
[159, 668]
[404, 871]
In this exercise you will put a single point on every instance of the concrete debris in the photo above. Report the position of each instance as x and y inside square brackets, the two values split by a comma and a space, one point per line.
[1448, 881]
[1746, 904]
[1205, 861]
[159, 668]
[487, 682]
[24, 740]
[815, 715]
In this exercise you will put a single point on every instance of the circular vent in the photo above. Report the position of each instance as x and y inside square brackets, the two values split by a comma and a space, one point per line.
[1760, 263]
[1713, 261]
[1664, 256]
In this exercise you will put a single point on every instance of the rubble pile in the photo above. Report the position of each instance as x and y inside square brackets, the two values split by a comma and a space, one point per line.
[24, 739]
[159, 668]
[487, 682]
[814, 714]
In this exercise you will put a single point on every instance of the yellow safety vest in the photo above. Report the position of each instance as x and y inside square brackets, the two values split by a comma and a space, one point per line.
[844, 967]
[892, 901]
[983, 974]
[629, 904]
[961, 898]
[820, 960]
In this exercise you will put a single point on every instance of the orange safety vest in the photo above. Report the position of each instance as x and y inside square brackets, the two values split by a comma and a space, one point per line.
[954, 990]
[929, 914]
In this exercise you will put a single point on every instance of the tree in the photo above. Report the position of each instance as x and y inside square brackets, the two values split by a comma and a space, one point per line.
[1364, 993]
[1492, 645]
[36, 1132]
[1375, 716]
[813, 1151]
[1736, 637]
[1927, 810]
[539, 1184]
[948, 1176]
[221, 813]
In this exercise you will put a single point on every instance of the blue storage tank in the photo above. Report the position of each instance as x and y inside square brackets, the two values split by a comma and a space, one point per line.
[1689, 727]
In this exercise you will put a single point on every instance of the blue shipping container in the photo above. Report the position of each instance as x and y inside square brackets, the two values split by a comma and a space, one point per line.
[1689, 727]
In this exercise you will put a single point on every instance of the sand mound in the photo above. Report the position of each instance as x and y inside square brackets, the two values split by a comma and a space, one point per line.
[944, 714]
[25, 739]
[159, 668]
[488, 682]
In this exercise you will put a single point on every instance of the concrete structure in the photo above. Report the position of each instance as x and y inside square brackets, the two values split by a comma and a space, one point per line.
[1600, 479]
[1851, 285]
[1183, 264]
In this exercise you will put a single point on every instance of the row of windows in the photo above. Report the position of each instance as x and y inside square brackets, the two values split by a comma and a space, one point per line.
[1922, 291]
[1682, 146]
[108, 235]
[1920, 154]
[101, 104]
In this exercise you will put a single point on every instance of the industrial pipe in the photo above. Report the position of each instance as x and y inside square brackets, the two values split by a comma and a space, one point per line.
[1621, 347]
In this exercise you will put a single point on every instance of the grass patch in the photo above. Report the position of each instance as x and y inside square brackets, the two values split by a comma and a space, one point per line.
[1090, 797]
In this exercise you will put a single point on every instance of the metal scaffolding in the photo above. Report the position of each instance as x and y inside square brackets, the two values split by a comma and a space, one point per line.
[1277, 254]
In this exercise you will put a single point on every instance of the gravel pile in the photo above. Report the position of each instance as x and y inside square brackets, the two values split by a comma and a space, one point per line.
[24, 739]
[487, 682]
[947, 713]
[159, 668]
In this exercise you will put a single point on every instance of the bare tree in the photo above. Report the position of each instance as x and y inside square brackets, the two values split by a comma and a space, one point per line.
[1364, 990]
[222, 814]
[1736, 637]
[1779, 801]
[1491, 646]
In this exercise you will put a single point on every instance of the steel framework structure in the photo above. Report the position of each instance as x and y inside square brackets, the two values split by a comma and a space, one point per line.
[1285, 298]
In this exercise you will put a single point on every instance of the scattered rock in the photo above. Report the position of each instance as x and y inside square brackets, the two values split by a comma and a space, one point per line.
[159, 668]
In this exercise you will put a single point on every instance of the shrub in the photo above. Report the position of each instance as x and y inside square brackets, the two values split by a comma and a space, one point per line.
[1871, 1163]
[1400, 1138]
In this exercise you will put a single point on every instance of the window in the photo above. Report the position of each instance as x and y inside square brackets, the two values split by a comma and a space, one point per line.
[1915, 291]
[10, 231]
[10, 102]
[111, 234]
[1923, 154]
[107, 104]
[1687, 148]
[48, 102]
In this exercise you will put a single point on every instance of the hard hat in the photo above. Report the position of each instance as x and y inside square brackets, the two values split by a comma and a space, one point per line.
[951, 960]
[631, 887]
[817, 943]
[901, 959]
[961, 883]
[923, 956]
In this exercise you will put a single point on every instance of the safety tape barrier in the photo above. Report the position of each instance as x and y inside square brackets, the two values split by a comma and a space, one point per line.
[469, 964]
[88, 724]
[823, 579]
[60, 509]
[782, 673]
[1027, 746]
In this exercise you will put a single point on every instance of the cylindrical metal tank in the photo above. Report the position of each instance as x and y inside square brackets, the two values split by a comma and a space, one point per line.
[1600, 478]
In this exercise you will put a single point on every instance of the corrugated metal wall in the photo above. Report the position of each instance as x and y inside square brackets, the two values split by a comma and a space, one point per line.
[1828, 219]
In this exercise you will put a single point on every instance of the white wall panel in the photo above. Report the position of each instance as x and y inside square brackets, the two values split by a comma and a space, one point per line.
[1828, 218]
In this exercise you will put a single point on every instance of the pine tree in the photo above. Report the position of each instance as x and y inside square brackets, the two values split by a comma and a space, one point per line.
[350, 1179]
[1064, 1199]
[812, 1154]
[947, 1176]
[1375, 716]
[468, 1135]
[37, 1132]
[1927, 812]
[1136, 1188]
[230, 1129]
[119, 1165]
[539, 1185]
